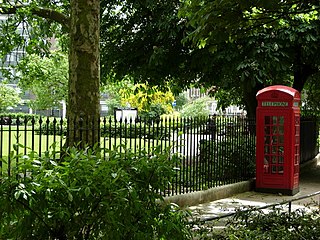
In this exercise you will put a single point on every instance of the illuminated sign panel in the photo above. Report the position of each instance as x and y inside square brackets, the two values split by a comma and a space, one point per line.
[275, 104]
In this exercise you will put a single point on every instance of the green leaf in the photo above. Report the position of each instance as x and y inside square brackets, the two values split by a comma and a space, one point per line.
[25, 196]
[53, 163]
[87, 191]
[36, 162]
[17, 194]
[15, 147]
[63, 183]
[70, 197]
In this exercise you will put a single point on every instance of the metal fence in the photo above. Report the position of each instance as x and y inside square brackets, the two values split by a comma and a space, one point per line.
[214, 151]
[309, 146]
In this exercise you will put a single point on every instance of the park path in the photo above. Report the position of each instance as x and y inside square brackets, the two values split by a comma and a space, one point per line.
[309, 184]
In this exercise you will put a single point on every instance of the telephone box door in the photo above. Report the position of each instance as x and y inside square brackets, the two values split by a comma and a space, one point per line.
[273, 152]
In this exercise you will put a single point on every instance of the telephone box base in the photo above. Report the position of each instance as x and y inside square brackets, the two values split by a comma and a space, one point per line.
[289, 192]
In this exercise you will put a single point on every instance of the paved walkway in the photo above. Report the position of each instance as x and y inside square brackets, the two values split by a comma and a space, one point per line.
[309, 184]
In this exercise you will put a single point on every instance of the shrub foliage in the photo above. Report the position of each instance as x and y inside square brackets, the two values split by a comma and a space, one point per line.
[87, 197]
[276, 224]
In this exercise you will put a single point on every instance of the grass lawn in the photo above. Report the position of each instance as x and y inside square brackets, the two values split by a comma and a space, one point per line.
[29, 141]
[24, 137]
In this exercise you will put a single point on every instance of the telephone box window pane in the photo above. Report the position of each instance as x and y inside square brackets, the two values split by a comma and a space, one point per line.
[281, 120]
[274, 159]
[281, 130]
[281, 150]
[267, 139]
[274, 139]
[266, 149]
[267, 120]
[267, 130]
[280, 159]
[266, 164]
[281, 139]
[274, 129]
[280, 169]
[274, 149]
[274, 169]
[274, 120]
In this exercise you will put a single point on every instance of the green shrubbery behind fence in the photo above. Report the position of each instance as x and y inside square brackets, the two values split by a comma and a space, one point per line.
[213, 151]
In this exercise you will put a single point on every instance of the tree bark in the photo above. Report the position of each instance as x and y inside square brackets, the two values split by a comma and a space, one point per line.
[83, 109]
[301, 70]
[250, 100]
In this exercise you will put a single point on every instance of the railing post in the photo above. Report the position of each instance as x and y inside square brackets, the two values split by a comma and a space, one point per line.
[290, 206]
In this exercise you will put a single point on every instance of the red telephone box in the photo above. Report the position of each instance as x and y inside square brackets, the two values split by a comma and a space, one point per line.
[278, 140]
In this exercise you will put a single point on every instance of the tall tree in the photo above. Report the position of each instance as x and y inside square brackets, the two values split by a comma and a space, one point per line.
[227, 46]
[143, 39]
[276, 40]
[46, 78]
[78, 21]
[84, 70]
[9, 97]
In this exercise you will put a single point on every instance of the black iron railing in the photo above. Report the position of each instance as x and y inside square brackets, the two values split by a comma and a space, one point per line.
[309, 138]
[214, 151]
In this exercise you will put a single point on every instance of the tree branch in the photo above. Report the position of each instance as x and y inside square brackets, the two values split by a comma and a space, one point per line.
[294, 12]
[45, 13]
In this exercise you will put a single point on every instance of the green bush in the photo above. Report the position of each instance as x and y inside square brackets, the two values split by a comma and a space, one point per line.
[142, 128]
[232, 155]
[87, 197]
[277, 224]
[154, 113]
[24, 118]
[49, 126]
[109, 128]
[181, 100]
[112, 103]
[196, 108]
[136, 130]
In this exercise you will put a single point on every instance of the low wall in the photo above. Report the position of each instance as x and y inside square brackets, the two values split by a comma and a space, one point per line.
[212, 194]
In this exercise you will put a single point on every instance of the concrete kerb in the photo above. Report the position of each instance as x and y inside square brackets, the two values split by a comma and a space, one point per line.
[216, 193]
[212, 194]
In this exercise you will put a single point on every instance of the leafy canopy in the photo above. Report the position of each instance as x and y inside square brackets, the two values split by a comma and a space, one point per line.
[143, 96]
[251, 44]
[196, 108]
[143, 39]
[233, 46]
[9, 97]
[41, 20]
[46, 78]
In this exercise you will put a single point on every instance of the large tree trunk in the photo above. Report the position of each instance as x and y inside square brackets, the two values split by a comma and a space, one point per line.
[301, 70]
[249, 96]
[83, 110]
[251, 103]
